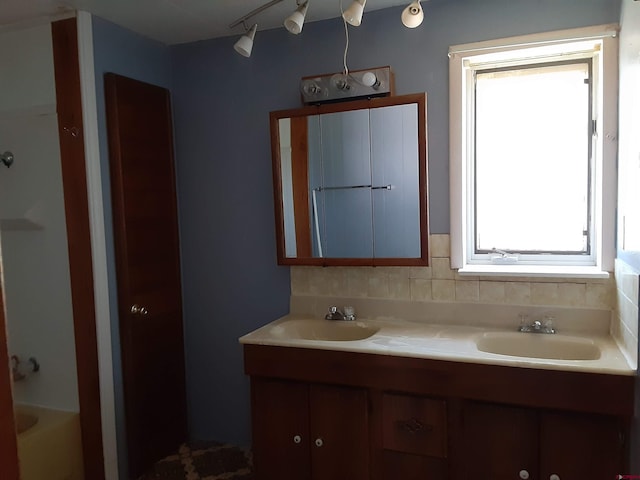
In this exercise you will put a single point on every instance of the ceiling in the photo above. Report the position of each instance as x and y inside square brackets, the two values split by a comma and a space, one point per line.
[179, 21]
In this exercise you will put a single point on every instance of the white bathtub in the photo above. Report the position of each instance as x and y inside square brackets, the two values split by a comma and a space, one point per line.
[50, 445]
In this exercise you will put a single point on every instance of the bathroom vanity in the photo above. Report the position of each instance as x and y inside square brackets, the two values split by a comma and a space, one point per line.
[413, 401]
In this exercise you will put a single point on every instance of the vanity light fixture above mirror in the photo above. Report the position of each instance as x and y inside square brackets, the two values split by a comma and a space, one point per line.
[349, 85]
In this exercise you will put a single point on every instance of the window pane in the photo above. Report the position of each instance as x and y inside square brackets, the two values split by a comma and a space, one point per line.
[532, 159]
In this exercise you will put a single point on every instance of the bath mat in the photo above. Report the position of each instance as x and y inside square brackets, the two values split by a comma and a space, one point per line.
[203, 461]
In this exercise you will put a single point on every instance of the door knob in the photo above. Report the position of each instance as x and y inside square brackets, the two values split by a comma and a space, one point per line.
[139, 310]
[319, 442]
[524, 475]
[554, 477]
[297, 439]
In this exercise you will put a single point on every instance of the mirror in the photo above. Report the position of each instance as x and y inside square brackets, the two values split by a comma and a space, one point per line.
[350, 182]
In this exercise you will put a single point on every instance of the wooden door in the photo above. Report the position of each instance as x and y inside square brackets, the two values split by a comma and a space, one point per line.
[575, 447]
[71, 132]
[9, 450]
[76, 206]
[148, 268]
[339, 433]
[499, 442]
[280, 423]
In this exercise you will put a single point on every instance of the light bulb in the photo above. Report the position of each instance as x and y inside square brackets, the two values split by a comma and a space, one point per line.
[340, 81]
[310, 87]
[369, 79]
[312, 90]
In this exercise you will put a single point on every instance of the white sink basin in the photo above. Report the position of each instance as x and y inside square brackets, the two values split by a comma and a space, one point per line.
[327, 330]
[532, 345]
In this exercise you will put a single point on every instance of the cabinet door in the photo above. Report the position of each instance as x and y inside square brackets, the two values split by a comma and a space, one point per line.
[575, 447]
[499, 442]
[280, 422]
[414, 438]
[339, 433]
[414, 425]
[405, 466]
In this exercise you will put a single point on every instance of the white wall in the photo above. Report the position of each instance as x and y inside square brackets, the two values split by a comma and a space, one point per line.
[629, 140]
[625, 326]
[32, 221]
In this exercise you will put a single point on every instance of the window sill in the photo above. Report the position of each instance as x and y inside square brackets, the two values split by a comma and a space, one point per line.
[534, 271]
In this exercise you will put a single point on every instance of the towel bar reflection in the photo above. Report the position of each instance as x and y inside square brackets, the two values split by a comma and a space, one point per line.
[350, 187]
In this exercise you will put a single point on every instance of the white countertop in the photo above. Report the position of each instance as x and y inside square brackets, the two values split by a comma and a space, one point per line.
[438, 342]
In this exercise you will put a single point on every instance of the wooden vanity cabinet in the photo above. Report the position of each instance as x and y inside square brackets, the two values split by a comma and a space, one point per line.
[382, 417]
[308, 431]
[505, 443]
[499, 442]
[575, 446]
[414, 439]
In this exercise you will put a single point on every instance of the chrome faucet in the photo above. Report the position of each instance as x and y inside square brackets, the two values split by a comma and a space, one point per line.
[335, 314]
[16, 374]
[537, 326]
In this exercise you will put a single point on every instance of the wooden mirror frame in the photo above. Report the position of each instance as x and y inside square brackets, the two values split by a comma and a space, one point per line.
[420, 99]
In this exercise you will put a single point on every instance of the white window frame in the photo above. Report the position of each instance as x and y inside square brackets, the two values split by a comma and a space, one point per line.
[463, 59]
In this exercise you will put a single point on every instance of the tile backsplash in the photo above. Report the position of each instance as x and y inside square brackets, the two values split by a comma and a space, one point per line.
[439, 283]
[624, 327]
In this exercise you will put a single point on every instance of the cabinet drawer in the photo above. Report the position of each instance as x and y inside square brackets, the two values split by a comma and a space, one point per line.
[414, 425]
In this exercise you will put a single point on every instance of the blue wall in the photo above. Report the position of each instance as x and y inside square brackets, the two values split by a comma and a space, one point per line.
[222, 101]
[121, 51]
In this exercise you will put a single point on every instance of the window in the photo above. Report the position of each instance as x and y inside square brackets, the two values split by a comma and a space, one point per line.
[532, 154]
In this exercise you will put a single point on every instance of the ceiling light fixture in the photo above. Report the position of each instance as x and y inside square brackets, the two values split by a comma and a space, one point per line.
[295, 21]
[254, 12]
[412, 16]
[353, 14]
[245, 44]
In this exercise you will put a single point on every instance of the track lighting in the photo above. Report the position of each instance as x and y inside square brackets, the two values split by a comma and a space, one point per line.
[244, 45]
[295, 21]
[413, 15]
[353, 14]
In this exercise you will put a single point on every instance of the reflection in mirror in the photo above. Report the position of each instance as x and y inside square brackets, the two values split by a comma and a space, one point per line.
[352, 182]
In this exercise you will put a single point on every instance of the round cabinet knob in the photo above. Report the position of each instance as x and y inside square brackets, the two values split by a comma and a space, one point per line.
[297, 439]
[554, 477]
[139, 310]
[524, 474]
[319, 442]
